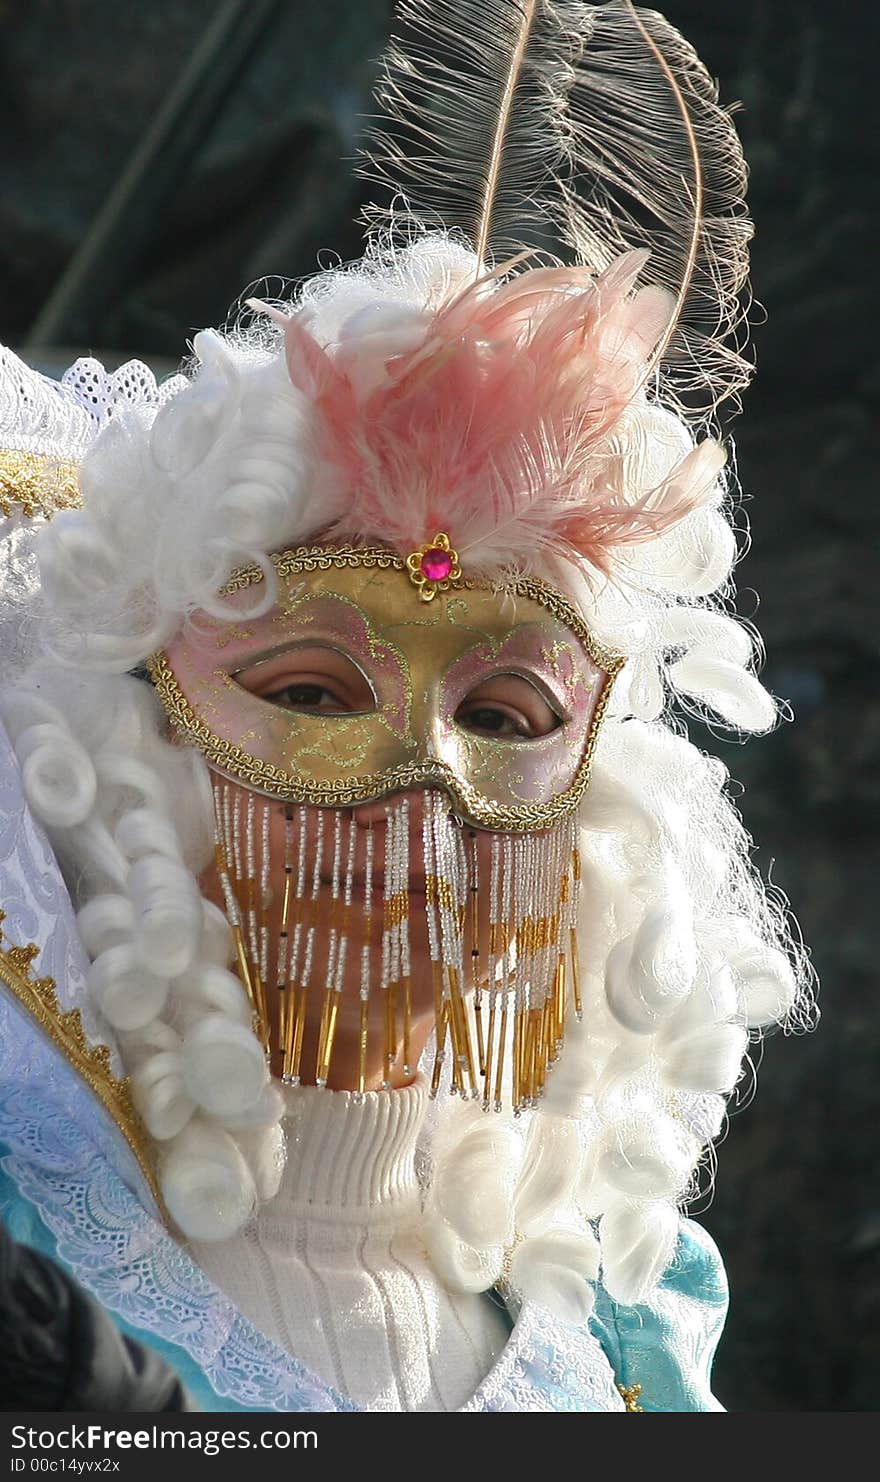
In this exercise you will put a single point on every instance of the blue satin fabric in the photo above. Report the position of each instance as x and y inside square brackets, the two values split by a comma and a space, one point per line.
[667, 1344]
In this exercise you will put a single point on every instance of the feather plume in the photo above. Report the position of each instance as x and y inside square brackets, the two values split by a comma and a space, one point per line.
[587, 130]
[493, 422]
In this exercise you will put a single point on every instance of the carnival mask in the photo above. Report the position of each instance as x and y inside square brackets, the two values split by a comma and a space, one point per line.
[398, 717]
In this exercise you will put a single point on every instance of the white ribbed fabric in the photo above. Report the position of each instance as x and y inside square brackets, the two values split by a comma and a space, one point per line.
[334, 1269]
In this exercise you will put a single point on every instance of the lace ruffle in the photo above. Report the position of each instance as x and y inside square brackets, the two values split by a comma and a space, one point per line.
[101, 393]
[59, 419]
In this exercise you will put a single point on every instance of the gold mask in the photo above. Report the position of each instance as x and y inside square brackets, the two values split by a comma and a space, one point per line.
[420, 660]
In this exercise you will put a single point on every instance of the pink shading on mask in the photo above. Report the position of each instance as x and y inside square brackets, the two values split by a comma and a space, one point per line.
[539, 768]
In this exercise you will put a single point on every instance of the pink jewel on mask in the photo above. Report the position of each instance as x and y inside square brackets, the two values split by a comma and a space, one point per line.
[436, 564]
[433, 567]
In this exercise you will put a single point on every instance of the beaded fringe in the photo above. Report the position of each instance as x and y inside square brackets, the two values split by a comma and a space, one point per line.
[500, 997]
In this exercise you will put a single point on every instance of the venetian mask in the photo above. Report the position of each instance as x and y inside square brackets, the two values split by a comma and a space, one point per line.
[406, 671]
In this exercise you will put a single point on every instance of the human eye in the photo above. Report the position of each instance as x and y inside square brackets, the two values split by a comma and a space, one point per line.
[509, 708]
[304, 694]
[310, 680]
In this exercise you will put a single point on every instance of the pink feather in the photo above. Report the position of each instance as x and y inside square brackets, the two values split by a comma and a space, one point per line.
[495, 427]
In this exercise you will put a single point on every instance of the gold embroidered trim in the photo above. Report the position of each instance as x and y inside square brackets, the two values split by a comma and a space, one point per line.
[630, 1393]
[64, 1027]
[36, 484]
[344, 792]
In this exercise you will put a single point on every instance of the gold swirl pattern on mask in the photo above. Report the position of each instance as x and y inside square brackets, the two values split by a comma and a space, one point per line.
[356, 739]
[39, 997]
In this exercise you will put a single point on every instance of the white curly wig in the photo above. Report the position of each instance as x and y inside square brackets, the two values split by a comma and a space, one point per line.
[686, 958]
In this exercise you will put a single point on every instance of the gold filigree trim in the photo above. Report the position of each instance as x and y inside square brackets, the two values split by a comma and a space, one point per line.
[345, 792]
[36, 485]
[630, 1393]
[39, 997]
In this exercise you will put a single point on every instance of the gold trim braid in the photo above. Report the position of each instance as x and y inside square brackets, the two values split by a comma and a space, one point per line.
[64, 1027]
[36, 484]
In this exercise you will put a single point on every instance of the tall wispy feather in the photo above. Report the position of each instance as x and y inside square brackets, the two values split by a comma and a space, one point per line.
[582, 130]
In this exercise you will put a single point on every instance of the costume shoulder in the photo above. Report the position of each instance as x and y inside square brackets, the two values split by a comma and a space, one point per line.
[667, 1344]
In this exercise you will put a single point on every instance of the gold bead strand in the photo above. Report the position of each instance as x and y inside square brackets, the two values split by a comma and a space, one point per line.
[312, 907]
[560, 987]
[251, 891]
[332, 949]
[223, 853]
[459, 877]
[494, 945]
[341, 949]
[240, 888]
[550, 870]
[369, 850]
[441, 1017]
[405, 959]
[295, 945]
[566, 833]
[476, 985]
[284, 932]
[536, 975]
[573, 926]
[508, 969]
[263, 918]
[452, 898]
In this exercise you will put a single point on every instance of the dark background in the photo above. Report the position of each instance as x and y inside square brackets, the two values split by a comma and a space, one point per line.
[107, 252]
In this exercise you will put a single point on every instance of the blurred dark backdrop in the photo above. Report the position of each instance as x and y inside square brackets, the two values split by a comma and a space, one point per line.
[109, 251]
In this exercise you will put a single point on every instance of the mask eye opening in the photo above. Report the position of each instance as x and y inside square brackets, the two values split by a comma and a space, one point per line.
[540, 726]
[331, 676]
